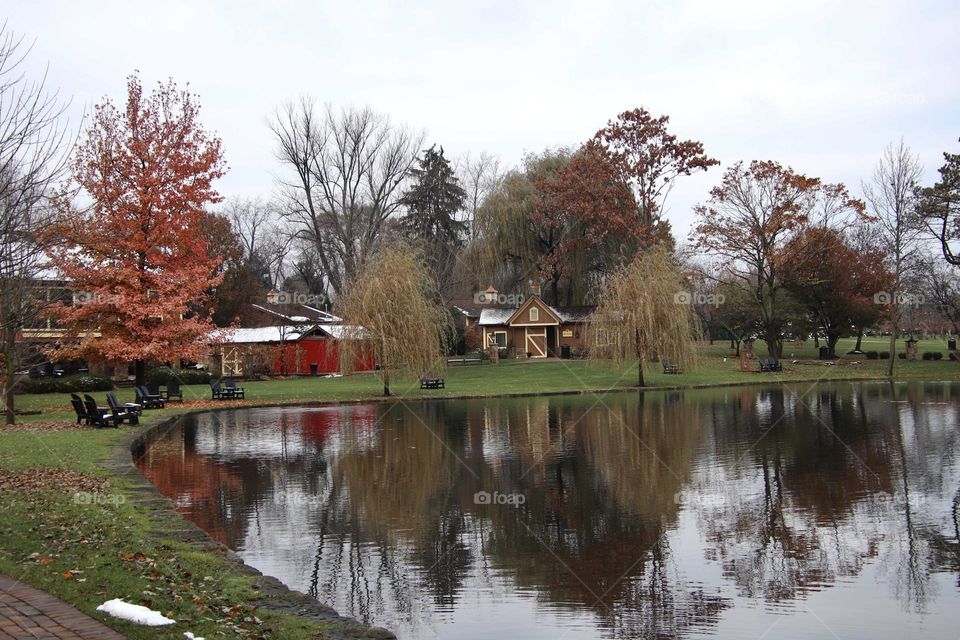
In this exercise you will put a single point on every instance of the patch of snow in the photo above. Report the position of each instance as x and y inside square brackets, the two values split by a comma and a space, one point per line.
[190, 636]
[134, 613]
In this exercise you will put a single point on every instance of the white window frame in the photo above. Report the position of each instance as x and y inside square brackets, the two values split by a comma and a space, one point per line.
[534, 314]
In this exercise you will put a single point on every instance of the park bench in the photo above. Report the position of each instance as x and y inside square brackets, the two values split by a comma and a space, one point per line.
[671, 368]
[464, 360]
[431, 383]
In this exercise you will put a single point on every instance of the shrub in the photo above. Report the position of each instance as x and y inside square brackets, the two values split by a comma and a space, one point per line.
[872, 355]
[162, 375]
[69, 384]
[937, 355]
[884, 355]
[927, 355]
[902, 356]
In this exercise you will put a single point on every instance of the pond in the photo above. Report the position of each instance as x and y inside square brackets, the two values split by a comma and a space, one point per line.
[792, 511]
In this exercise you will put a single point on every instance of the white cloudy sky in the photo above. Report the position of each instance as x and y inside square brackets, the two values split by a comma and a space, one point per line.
[818, 85]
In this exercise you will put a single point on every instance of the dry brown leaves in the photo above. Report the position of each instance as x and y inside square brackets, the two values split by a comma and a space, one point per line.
[43, 426]
[51, 480]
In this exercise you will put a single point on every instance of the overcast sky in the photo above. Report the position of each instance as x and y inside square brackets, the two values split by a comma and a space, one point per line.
[820, 86]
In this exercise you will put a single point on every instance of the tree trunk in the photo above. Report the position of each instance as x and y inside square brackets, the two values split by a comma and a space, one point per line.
[893, 349]
[832, 339]
[140, 370]
[859, 340]
[386, 383]
[773, 343]
[640, 375]
[9, 361]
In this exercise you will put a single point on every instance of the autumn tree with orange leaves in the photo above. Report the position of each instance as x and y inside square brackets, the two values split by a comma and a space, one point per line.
[137, 255]
[751, 217]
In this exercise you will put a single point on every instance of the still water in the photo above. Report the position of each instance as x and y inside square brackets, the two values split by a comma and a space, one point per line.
[775, 512]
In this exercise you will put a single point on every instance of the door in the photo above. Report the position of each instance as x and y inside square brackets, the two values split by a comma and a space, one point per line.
[536, 342]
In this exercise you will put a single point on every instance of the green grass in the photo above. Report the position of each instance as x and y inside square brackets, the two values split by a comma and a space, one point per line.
[92, 538]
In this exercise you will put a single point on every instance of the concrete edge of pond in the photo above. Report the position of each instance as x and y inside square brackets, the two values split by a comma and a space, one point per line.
[168, 522]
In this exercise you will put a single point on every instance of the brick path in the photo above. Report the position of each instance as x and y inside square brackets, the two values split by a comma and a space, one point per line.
[27, 614]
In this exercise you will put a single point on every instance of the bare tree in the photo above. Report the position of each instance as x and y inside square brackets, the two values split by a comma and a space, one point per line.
[264, 234]
[890, 196]
[34, 149]
[480, 177]
[348, 168]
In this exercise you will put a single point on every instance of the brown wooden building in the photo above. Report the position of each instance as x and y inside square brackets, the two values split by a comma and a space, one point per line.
[535, 329]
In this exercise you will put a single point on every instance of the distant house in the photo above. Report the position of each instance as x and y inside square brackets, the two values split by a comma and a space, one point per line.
[533, 329]
[300, 340]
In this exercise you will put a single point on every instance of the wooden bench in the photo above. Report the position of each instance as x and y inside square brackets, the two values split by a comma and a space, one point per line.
[431, 383]
[671, 368]
[464, 360]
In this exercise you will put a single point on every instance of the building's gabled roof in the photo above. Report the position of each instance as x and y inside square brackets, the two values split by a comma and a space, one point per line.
[491, 316]
[263, 335]
[297, 314]
[496, 315]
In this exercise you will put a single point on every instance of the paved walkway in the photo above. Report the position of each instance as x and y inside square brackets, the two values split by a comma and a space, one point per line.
[27, 613]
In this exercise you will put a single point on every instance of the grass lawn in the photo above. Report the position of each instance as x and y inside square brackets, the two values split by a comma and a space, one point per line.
[89, 551]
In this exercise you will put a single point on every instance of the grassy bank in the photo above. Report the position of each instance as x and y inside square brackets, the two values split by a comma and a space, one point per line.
[71, 527]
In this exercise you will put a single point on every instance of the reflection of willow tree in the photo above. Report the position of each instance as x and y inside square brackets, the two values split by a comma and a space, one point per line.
[392, 505]
[592, 533]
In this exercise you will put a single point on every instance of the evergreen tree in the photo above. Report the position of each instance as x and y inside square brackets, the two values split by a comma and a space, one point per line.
[433, 202]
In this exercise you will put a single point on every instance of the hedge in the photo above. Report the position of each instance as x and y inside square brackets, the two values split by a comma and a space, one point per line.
[161, 375]
[67, 384]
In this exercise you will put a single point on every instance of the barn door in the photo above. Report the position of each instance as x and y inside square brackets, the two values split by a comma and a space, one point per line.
[232, 361]
[537, 342]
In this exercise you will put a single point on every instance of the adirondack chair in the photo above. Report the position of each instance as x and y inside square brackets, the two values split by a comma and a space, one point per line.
[148, 400]
[173, 390]
[230, 386]
[78, 406]
[123, 412]
[217, 392]
[774, 365]
[763, 364]
[99, 416]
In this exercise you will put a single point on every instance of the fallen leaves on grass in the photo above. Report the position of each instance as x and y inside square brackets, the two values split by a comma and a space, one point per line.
[60, 480]
[46, 427]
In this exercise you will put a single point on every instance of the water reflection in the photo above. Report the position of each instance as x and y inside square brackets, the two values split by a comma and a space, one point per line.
[713, 512]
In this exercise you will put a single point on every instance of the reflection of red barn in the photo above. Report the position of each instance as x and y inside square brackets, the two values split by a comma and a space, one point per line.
[295, 345]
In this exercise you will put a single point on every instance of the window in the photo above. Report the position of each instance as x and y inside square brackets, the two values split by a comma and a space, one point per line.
[498, 338]
[534, 314]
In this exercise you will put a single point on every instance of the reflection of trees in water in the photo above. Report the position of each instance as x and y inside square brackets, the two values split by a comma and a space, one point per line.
[785, 503]
[598, 487]
[834, 487]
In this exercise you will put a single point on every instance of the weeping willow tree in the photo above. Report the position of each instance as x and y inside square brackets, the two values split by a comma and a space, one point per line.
[643, 313]
[392, 311]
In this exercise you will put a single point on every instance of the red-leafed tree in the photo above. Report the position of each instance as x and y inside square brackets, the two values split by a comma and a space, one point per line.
[650, 159]
[834, 280]
[589, 212]
[137, 255]
[748, 221]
